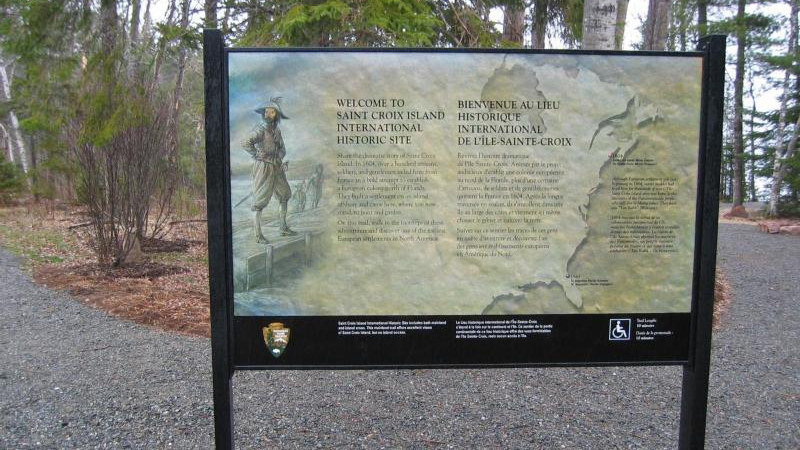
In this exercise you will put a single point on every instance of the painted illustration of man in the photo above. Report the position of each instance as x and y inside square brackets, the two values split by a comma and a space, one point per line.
[315, 185]
[266, 148]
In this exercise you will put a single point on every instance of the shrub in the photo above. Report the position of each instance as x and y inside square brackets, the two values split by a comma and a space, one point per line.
[12, 181]
[126, 170]
[789, 209]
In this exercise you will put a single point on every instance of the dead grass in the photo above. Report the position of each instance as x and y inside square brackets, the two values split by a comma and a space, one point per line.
[168, 290]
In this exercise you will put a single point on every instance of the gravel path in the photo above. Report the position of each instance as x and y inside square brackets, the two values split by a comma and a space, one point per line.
[72, 377]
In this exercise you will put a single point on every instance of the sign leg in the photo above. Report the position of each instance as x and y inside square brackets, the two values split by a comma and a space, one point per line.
[223, 408]
[219, 238]
[694, 395]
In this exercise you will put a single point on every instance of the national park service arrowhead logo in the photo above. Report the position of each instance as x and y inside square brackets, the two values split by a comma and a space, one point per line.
[276, 336]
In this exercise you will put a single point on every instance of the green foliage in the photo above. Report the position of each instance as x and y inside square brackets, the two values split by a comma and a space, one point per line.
[569, 20]
[187, 38]
[789, 209]
[41, 37]
[12, 181]
[464, 27]
[403, 23]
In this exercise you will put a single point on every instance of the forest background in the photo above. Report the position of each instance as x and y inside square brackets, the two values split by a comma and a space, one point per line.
[101, 106]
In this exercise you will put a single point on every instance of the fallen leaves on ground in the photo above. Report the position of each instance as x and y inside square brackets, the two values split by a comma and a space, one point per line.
[169, 290]
[722, 297]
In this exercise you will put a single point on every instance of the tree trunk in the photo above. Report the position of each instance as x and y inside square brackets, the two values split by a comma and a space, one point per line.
[723, 181]
[225, 18]
[5, 81]
[599, 24]
[702, 18]
[753, 112]
[514, 24]
[684, 12]
[738, 106]
[783, 153]
[162, 47]
[730, 179]
[33, 176]
[210, 9]
[780, 174]
[540, 12]
[622, 15]
[108, 25]
[147, 21]
[86, 12]
[7, 144]
[656, 28]
[177, 94]
[136, 7]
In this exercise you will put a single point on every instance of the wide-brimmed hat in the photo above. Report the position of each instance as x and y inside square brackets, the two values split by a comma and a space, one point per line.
[274, 102]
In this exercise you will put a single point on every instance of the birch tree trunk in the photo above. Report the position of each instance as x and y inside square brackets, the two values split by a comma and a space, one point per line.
[599, 24]
[5, 81]
[622, 15]
[783, 153]
[738, 106]
[656, 27]
[7, 144]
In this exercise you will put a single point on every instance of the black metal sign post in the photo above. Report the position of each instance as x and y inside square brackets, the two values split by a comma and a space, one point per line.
[326, 341]
[219, 238]
[694, 394]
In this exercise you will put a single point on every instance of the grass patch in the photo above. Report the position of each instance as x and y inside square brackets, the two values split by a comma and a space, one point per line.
[32, 236]
[180, 257]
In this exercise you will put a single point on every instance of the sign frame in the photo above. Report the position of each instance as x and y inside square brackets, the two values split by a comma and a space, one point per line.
[696, 366]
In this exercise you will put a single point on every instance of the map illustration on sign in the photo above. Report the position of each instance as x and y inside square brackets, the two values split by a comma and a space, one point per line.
[392, 183]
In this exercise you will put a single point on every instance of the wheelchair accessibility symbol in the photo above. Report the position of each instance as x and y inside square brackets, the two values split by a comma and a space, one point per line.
[619, 329]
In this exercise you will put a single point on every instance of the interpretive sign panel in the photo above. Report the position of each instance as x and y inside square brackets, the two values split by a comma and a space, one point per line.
[400, 208]
[462, 208]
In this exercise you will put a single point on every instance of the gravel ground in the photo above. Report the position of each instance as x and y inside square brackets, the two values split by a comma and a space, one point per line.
[73, 377]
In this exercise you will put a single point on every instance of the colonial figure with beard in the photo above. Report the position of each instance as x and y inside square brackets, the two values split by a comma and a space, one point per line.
[266, 148]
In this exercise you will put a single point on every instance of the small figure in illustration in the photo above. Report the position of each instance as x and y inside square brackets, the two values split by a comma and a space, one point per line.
[266, 148]
[315, 185]
[300, 198]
